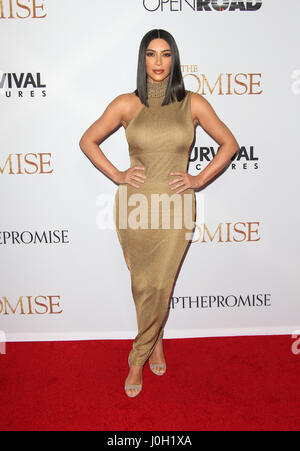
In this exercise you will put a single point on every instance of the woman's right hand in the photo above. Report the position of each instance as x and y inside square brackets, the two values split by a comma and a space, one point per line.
[129, 175]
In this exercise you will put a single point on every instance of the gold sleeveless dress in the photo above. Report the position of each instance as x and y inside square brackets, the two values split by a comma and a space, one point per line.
[154, 223]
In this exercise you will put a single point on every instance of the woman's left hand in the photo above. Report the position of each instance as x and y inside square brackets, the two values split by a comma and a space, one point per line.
[185, 181]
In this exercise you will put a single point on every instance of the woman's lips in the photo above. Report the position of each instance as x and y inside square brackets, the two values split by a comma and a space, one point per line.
[158, 71]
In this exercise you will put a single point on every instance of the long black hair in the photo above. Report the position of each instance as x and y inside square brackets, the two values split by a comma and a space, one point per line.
[175, 88]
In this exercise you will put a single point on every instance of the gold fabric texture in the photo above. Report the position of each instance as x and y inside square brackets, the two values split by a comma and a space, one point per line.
[154, 230]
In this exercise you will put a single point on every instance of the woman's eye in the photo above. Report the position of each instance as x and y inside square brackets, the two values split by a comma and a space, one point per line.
[152, 54]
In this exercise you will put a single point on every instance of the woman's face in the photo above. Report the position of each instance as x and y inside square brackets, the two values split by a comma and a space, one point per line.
[158, 60]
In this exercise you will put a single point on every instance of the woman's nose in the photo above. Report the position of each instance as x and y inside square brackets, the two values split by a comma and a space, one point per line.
[158, 60]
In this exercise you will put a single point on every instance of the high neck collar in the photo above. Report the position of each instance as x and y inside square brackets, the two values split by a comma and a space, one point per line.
[157, 89]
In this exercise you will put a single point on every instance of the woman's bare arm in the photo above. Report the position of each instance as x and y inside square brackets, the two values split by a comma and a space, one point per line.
[98, 131]
[212, 124]
[116, 112]
[110, 120]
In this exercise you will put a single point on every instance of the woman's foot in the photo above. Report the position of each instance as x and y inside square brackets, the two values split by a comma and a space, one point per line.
[157, 358]
[134, 378]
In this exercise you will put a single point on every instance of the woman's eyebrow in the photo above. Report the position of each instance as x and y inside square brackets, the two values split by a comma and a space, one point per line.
[166, 50]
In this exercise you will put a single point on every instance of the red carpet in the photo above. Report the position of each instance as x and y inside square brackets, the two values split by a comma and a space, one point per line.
[231, 383]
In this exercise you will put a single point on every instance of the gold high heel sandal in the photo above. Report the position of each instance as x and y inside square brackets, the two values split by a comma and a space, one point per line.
[136, 387]
[158, 365]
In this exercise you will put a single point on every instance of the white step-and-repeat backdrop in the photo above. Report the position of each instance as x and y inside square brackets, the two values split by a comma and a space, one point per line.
[63, 274]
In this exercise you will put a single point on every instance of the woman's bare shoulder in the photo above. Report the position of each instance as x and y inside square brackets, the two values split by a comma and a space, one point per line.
[198, 99]
[126, 100]
[200, 106]
[126, 106]
[122, 108]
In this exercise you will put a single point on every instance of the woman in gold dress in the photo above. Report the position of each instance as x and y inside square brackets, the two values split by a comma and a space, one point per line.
[159, 118]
